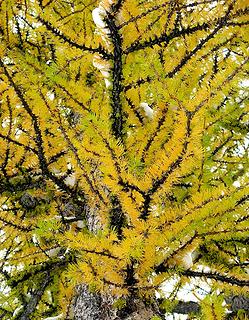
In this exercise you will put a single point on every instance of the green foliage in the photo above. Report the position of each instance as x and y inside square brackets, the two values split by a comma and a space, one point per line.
[155, 318]
[167, 305]
[119, 303]
[212, 308]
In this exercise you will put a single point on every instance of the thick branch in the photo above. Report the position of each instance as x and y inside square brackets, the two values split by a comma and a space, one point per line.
[72, 43]
[38, 138]
[117, 74]
[165, 39]
[160, 181]
[35, 298]
[217, 277]
[15, 226]
[161, 6]
[28, 148]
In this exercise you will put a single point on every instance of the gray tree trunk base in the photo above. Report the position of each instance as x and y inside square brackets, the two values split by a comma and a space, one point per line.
[93, 306]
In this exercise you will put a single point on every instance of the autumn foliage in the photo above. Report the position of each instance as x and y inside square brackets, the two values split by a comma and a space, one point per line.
[124, 151]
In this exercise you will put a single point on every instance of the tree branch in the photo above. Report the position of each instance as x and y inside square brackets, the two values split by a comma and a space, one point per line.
[117, 74]
[160, 181]
[217, 277]
[35, 298]
[82, 47]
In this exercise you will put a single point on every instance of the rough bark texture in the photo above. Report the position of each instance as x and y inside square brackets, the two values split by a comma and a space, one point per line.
[87, 305]
[33, 302]
[187, 307]
[238, 303]
[137, 310]
[92, 306]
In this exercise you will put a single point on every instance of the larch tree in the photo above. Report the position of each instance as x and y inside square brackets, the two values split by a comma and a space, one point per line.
[124, 157]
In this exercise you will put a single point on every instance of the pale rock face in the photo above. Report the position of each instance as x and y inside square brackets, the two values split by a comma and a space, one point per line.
[53, 252]
[98, 15]
[80, 224]
[104, 68]
[147, 110]
[70, 180]
[108, 83]
[187, 261]
[105, 74]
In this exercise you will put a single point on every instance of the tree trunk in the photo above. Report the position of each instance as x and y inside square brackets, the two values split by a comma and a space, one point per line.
[93, 306]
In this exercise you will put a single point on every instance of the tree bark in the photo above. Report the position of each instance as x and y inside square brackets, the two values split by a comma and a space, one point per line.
[92, 306]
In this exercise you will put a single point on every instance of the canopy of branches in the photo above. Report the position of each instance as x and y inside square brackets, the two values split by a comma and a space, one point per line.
[124, 151]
